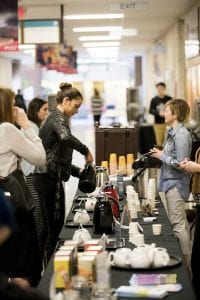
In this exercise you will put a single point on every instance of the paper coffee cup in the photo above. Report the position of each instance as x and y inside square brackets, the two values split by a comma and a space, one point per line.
[156, 228]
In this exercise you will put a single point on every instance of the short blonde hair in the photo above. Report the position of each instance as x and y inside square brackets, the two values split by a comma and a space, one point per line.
[6, 105]
[180, 108]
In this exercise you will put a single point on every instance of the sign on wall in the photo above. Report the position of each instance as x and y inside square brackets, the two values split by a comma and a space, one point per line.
[8, 25]
[61, 58]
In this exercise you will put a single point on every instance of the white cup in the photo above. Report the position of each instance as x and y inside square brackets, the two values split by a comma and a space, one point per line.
[157, 228]
[136, 239]
[133, 227]
[133, 213]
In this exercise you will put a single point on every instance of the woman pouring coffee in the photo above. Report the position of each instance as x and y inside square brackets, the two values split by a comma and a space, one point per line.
[59, 144]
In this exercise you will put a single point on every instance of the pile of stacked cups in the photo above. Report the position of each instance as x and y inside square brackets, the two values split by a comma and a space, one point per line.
[113, 163]
[132, 206]
[132, 201]
[135, 237]
[151, 192]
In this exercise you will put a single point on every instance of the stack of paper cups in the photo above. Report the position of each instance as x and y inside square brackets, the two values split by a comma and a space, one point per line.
[151, 192]
[133, 231]
[129, 164]
[135, 237]
[122, 165]
[113, 163]
[131, 201]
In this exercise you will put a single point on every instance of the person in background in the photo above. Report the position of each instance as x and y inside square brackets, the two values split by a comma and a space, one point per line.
[59, 144]
[174, 182]
[194, 167]
[157, 110]
[19, 100]
[19, 256]
[8, 289]
[97, 106]
[37, 112]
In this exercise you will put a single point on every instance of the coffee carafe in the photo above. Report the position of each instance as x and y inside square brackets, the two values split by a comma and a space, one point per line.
[103, 221]
[101, 176]
[113, 197]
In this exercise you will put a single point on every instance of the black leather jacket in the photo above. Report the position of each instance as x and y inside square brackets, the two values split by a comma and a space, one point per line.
[59, 144]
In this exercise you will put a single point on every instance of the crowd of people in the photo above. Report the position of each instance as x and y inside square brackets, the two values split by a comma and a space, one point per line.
[36, 157]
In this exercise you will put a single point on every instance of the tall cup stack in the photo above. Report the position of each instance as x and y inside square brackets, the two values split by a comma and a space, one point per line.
[151, 192]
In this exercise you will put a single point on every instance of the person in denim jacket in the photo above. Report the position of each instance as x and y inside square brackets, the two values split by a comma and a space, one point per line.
[174, 182]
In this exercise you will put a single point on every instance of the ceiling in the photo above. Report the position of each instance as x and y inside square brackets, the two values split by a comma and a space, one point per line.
[151, 22]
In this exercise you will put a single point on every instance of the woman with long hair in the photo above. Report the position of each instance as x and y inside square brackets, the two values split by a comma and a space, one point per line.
[19, 256]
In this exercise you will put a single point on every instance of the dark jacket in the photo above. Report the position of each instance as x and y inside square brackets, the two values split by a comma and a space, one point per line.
[59, 144]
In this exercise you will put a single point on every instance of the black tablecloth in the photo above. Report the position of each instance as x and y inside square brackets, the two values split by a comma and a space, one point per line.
[121, 277]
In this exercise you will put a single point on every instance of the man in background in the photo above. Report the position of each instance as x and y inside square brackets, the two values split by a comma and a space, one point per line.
[19, 100]
[157, 110]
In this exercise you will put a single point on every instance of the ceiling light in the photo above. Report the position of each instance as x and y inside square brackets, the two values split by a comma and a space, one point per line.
[104, 55]
[96, 61]
[24, 46]
[103, 49]
[97, 29]
[29, 51]
[125, 32]
[101, 44]
[99, 38]
[94, 17]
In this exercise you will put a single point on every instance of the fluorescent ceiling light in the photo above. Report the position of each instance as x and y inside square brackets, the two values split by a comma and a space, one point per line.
[104, 55]
[99, 38]
[125, 32]
[25, 47]
[103, 49]
[96, 61]
[101, 44]
[97, 29]
[29, 51]
[94, 17]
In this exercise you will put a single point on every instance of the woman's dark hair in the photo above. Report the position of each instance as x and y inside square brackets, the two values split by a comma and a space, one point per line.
[33, 109]
[67, 91]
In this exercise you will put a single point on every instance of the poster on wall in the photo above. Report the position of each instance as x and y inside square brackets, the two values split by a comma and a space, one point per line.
[61, 58]
[8, 25]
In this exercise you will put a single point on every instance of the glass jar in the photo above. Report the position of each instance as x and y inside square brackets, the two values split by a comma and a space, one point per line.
[81, 284]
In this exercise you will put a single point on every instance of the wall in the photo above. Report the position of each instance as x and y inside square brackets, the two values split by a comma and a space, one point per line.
[165, 61]
[5, 72]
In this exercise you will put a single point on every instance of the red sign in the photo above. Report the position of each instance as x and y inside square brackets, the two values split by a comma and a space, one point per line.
[8, 25]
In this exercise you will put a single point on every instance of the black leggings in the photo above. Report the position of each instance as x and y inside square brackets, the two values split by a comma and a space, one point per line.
[53, 221]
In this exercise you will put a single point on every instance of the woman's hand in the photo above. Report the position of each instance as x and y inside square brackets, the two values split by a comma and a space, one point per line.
[20, 118]
[89, 158]
[190, 166]
[156, 153]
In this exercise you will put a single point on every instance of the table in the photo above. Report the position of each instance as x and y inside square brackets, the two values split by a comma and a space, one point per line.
[121, 277]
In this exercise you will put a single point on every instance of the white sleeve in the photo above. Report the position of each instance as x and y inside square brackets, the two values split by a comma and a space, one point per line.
[28, 145]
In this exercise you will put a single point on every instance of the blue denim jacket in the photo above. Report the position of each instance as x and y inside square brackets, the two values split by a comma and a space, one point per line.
[177, 146]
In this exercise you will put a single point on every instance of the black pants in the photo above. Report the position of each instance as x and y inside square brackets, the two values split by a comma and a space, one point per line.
[195, 259]
[53, 213]
[97, 118]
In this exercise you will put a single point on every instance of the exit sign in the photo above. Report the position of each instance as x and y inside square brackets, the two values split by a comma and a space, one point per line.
[130, 5]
